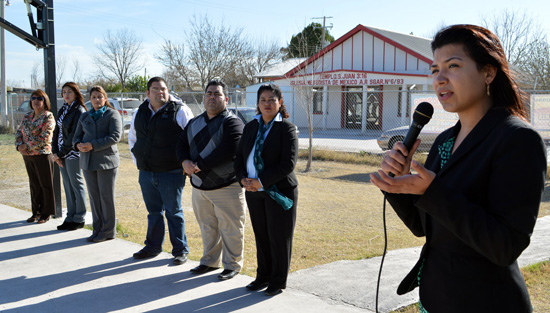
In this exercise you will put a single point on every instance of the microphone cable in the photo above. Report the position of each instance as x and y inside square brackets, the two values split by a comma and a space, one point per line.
[421, 116]
[384, 253]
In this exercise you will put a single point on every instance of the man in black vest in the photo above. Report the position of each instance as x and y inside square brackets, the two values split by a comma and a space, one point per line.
[153, 135]
[207, 151]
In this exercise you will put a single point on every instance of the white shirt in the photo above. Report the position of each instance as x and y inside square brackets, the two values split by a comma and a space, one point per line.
[250, 168]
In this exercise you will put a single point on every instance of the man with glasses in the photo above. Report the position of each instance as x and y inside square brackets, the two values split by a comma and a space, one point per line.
[206, 150]
[153, 135]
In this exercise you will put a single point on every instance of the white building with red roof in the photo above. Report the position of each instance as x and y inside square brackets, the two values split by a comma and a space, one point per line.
[360, 81]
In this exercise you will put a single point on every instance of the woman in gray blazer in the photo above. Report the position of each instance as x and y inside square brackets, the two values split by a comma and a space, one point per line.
[96, 136]
[476, 199]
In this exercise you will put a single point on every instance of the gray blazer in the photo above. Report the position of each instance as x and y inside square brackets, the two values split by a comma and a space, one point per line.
[104, 135]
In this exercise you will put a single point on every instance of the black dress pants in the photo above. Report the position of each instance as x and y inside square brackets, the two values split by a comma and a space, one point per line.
[273, 229]
[40, 170]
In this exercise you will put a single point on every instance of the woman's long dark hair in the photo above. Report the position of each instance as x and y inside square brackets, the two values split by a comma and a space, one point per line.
[485, 48]
[76, 90]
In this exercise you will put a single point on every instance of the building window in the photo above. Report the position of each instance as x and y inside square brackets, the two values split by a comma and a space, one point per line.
[317, 100]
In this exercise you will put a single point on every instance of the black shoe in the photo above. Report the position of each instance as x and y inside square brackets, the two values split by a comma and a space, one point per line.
[201, 269]
[33, 218]
[75, 226]
[273, 291]
[227, 274]
[91, 238]
[144, 254]
[43, 219]
[64, 226]
[101, 239]
[257, 285]
[180, 259]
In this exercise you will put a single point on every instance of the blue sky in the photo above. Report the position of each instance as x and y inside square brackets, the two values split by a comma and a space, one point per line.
[80, 25]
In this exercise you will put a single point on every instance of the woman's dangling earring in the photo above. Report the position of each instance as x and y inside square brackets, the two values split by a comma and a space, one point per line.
[488, 90]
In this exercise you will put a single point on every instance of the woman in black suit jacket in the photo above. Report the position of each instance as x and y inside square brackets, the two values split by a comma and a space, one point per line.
[264, 165]
[477, 197]
[67, 158]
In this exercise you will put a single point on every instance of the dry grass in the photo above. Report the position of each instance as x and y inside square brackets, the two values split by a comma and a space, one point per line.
[339, 211]
[537, 278]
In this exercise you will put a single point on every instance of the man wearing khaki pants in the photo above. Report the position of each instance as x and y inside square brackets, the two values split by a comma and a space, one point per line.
[206, 149]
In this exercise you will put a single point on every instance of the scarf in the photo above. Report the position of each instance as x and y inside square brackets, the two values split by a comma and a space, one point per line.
[99, 113]
[272, 191]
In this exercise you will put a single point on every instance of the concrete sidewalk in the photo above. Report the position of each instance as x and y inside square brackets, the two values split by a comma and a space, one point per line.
[45, 270]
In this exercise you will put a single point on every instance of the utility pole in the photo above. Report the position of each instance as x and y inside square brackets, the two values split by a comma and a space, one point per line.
[42, 37]
[3, 89]
[323, 43]
[45, 20]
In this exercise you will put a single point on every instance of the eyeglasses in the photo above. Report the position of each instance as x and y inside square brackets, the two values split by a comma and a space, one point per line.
[37, 98]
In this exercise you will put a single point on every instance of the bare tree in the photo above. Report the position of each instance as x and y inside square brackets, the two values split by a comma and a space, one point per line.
[303, 88]
[210, 51]
[35, 74]
[260, 55]
[14, 83]
[537, 65]
[434, 31]
[517, 31]
[119, 55]
[213, 51]
[60, 64]
[173, 56]
[174, 81]
[76, 70]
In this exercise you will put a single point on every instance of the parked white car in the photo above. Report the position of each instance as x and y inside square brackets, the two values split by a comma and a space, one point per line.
[390, 137]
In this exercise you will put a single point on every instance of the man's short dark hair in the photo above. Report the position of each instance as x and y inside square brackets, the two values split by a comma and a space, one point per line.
[217, 82]
[155, 79]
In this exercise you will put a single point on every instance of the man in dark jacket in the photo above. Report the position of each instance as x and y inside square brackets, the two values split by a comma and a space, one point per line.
[155, 125]
[206, 149]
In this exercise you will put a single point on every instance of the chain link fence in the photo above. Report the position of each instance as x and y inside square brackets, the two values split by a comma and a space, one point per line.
[354, 119]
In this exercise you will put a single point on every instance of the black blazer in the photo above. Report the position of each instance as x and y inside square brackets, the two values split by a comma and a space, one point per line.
[70, 122]
[477, 215]
[280, 154]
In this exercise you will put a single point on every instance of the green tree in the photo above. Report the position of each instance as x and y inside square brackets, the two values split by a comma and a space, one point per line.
[307, 42]
[137, 83]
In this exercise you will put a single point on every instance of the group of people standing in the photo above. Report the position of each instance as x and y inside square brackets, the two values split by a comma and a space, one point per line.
[81, 143]
[226, 167]
[460, 199]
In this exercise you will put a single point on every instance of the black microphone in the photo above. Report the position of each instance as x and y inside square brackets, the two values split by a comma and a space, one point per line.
[421, 116]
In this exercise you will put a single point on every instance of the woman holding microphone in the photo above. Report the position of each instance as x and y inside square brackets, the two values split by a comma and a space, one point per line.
[476, 199]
